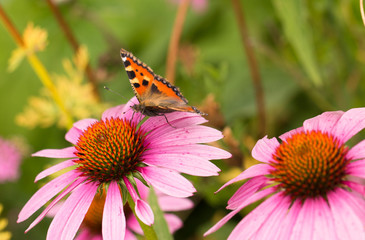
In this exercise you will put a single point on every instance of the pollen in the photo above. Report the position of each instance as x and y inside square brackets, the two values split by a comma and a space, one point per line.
[309, 164]
[109, 149]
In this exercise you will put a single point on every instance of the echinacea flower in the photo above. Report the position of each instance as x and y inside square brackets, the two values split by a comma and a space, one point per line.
[111, 154]
[312, 182]
[10, 159]
[91, 227]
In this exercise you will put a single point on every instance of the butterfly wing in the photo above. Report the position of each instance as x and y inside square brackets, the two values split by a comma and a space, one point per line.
[154, 92]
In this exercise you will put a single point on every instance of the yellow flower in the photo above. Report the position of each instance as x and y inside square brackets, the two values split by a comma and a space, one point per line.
[78, 97]
[4, 235]
[35, 39]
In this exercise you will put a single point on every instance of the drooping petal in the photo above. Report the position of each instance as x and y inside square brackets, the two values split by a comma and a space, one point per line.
[68, 152]
[114, 224]
[192, 165]
[323, 220]
[187, 135]
[44, 194]
[253, 171]
[264, 149]
[324, 122]
[257, 218]
[287, 224]
[144, 212]
[71, 187]
[167, 181]
[68, 220]
[199, 150]
[349, 124]
[357, 152]
[53, 169]
[170, 204]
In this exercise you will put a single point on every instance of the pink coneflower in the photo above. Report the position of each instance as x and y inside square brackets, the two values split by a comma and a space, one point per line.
[10, 159]
[315, 183]
[110, 154]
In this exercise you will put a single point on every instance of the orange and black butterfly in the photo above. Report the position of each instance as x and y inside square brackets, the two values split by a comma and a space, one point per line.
[155, 94]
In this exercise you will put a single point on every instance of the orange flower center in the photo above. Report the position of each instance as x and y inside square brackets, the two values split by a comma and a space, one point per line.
[109, 150]
[309, 164]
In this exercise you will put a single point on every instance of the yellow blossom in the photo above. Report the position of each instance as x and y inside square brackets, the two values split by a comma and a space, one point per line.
[4, 235]
[35, 39]
[78, 97]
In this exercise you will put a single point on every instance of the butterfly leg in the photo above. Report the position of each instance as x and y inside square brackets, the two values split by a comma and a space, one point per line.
[168, 121]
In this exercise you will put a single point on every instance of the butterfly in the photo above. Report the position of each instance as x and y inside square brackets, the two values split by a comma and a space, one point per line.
[155, 94]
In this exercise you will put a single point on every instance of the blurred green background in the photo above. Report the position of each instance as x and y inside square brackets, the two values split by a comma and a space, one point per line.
[310, 56]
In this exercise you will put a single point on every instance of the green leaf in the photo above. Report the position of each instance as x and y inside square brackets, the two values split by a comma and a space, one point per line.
[297, 30]
[160, 225]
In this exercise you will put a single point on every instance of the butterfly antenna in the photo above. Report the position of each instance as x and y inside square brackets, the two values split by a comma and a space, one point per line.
[110, 90]
[168, 121]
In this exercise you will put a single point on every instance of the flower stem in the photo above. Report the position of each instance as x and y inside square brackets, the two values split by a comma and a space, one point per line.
[37, 66]
[72, 40]
[148, 231]
[174, 41]
[254, 70]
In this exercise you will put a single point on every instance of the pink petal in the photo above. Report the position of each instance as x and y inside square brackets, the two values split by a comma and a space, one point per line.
[274, 222]
[144, 212]
[303, 228]
[73, 135]
[54, 168]
[84, 123]
[128, 112]
[257, 218]
[287, 224]
[158, 125]
[68, 152]
[349, 124]
[167, 181]
[55, 201]
[323, 220]
[250, 200]
[199, 150]
[114, 223]
[69, 218]
[264, 149]
[188, 135]
[246, 191]
[174, 223]
[356, 168]
[347, 224]
[172, 204]
[357, 152]
[324, 122]
[183, 163]
[44, 194]
[253, 171]
[356, 184]
[354, 201]
[114, 112]
[289, 134]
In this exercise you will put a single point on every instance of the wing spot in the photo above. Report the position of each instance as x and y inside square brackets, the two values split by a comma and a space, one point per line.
[131, 74]
[145, 82]
[136, 85]
[154, 89]
[127, 63]
[141, 74]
